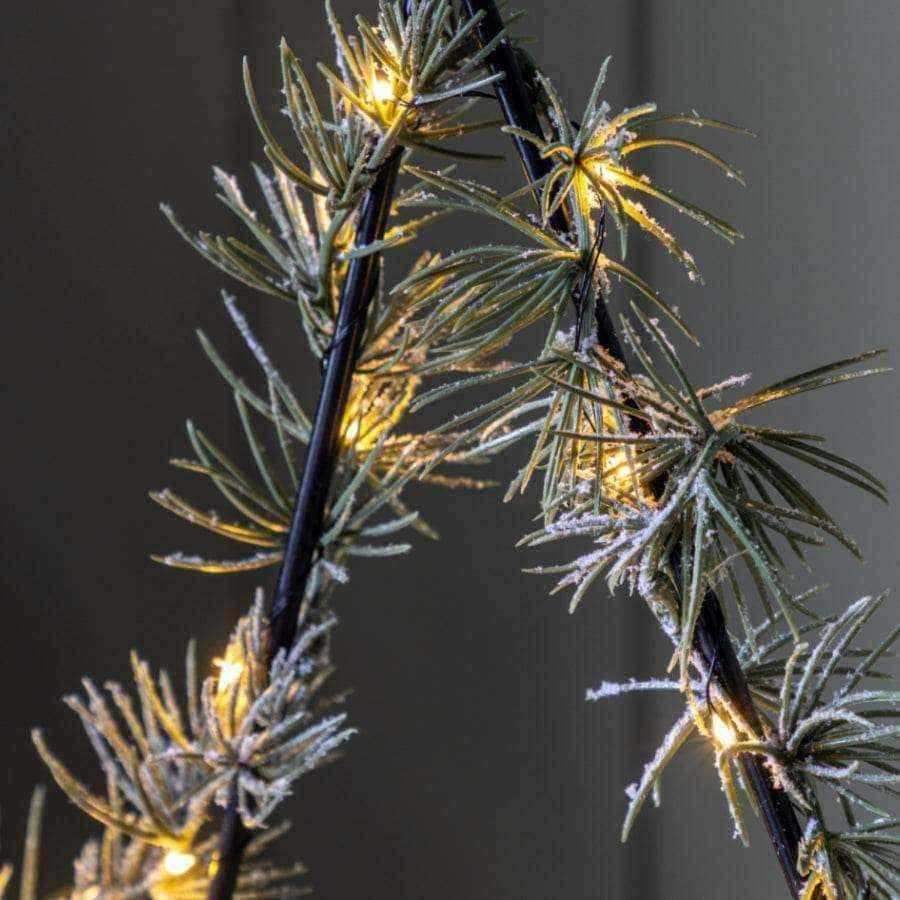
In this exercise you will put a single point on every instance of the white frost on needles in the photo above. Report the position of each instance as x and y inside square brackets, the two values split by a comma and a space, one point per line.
[250, 339]
[716, 390]
[336, 572]
[616, 688]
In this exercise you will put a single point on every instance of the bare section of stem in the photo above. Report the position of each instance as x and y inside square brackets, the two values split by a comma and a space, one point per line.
[233, 840]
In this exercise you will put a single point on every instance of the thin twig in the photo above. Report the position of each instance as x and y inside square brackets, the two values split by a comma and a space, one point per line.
[515, 93]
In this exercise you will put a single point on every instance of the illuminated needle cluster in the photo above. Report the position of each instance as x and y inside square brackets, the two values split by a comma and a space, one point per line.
[232, 701]
[178, 863]
[615, 461]
[382, 89]
[373, 408]
[229, 673]
[723, 734]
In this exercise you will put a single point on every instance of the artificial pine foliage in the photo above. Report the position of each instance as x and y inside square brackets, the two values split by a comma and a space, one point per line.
[646, 482]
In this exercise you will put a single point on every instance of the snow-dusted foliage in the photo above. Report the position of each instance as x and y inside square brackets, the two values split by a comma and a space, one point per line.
[248, 731]
[719, 483]
[671, 488]
[590, 164]
[178, 775]
[116, 866]
[376, 464]
[481, 297]
[646, 481]
[251, 730]
[402, 87]
[828, 727]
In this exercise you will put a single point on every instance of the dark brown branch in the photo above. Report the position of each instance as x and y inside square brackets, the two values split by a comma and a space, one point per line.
[302, 545]
[515, 92]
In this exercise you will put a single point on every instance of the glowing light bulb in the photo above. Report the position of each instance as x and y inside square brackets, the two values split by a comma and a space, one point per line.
[382, 89]
[616, 469]
[177, 863]
[351, 432]
[229, 673]
[604, 173]
[723, 733]
[91, 893]
[233, 687]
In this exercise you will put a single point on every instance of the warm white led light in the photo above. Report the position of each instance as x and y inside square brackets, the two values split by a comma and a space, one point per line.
[229, 673]
[723, 733]
[177, 863]
[382, 89]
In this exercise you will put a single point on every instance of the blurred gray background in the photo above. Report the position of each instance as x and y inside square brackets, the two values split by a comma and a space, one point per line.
[479, 771]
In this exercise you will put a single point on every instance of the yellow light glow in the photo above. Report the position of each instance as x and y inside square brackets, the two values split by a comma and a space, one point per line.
[603, 172]
[382, 89]
[232, 687]
[91, 893]
[615, 461]
[373, 408]
[618, 478]
[587, 194]
[351, 432]
[724, 735]
[177, 863]
[229, 672]
[388, 98]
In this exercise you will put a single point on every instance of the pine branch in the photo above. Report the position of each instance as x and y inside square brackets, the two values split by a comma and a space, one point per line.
[402, 83]
[318, 470]
[515, 93]
[322, 454]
